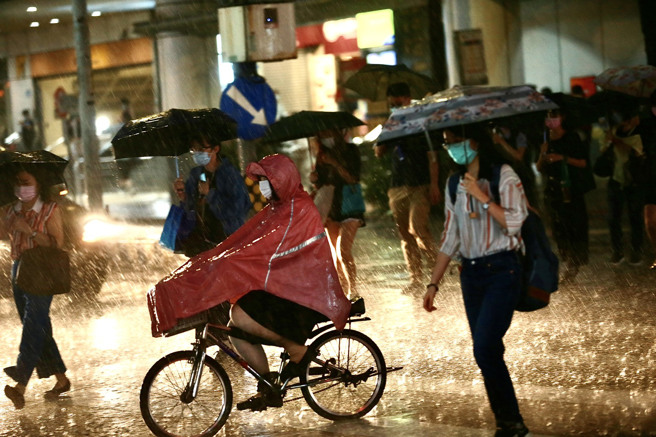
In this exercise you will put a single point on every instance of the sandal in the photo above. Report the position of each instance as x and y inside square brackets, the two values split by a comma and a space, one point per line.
[15, 397]
[53, 394]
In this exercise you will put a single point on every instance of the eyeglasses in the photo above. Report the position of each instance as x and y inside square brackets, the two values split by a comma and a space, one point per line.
[199, 149]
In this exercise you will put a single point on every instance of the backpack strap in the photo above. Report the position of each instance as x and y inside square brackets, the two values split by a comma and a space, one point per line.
[494, 183]
[452, 183]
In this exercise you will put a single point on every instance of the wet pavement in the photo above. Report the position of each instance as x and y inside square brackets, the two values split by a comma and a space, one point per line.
[585, 366]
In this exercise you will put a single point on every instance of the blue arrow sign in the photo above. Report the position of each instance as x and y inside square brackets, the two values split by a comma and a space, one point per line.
[252, 103]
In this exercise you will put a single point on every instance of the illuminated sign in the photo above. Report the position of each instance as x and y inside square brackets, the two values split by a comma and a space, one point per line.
[375, 29]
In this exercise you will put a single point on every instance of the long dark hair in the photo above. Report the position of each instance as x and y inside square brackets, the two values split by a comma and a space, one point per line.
[489, 154]
[42, 176]
[492, 155]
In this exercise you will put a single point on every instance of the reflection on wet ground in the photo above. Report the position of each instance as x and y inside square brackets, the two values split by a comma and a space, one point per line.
[583, 366]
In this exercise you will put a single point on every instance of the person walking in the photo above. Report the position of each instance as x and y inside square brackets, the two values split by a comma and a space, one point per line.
[627, 183]
[28, 131]
[214, 197]
[338, 164]
[413, 189]
[649, 143]
[563, 159]
[33, 220]
[485, 233]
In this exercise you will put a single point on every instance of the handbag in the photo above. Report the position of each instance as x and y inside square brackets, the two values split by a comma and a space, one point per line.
[44, 271]
[605, 163]
[352, 199]
[171, 227]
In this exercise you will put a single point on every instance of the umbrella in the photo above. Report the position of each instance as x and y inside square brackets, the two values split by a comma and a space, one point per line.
[606, 102]
[306, 124]
[637, 81]
[372, 80]
[463, 105]
[51, 165]
[166, 133]
[579, 111]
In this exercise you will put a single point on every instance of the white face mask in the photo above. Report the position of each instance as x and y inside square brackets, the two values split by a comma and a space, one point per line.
[201, 158]
[265, 189]
[25, 193]
[328, 142]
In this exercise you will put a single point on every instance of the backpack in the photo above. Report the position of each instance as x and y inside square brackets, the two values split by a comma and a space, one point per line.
[539, 263]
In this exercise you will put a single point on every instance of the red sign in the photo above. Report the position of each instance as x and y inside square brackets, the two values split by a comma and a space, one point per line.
[59, 110]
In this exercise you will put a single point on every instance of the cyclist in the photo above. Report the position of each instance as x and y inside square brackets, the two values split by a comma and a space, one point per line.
[277, 271]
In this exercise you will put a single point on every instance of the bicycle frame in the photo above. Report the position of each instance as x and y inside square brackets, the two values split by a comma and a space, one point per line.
[204, 336]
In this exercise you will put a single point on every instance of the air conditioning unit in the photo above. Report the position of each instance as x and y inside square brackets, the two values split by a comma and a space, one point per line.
[261, 32]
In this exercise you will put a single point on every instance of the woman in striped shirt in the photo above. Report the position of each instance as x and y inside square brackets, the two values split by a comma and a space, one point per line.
[33, 220]
[484, 232]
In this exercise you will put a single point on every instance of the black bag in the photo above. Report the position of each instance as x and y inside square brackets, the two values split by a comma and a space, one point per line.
[605, 163]
[44, 271]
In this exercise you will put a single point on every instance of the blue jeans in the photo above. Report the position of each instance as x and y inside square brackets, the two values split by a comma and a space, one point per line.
[38, 348]
[491, 288]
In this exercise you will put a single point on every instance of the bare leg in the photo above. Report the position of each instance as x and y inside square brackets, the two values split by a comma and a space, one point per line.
[333, 229]
[254, 354]
[347, 233]
[650, 223]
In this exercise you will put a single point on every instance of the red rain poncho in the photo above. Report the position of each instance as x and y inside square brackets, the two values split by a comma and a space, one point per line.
[283, 250]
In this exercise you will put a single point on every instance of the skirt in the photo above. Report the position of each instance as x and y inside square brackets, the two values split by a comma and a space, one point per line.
[284, 317]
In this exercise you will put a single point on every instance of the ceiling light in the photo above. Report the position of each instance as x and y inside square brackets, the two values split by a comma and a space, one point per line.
[34, 24]
[31, 9]
[54, 20]
[96, 14]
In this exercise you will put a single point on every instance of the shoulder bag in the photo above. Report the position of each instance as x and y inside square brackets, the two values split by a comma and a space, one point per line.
[352, 200]
[44, 271]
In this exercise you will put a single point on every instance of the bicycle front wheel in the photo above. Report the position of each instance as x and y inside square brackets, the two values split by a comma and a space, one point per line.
[166, 411]
[356, 382]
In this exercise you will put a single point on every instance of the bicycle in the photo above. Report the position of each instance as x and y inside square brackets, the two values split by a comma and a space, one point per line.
[188, 393]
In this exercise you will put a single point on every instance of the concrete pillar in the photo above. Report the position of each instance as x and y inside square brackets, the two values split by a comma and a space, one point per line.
[186, 58]
[500, 25]
[419, 40]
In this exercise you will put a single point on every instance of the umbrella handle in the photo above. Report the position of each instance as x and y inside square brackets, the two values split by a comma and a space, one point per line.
[310, 152]
[429, 141]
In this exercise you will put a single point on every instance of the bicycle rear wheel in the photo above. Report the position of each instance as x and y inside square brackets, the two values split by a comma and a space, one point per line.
[354, 389]
[163, 409]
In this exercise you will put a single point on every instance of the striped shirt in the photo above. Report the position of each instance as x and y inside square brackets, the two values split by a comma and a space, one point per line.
[37, 217]
[468, 237]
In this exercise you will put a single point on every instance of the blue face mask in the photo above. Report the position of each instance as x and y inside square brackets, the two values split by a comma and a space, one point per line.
[461, 152]
[201, 158]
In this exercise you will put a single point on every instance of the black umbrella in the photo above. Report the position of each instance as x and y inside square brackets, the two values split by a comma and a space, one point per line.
[578, 110]
[372, 80]
[608, 101]
[51, 167]
[306, 124]
[167, 133]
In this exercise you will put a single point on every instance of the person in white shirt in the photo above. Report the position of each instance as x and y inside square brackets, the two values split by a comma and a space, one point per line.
[484, 232]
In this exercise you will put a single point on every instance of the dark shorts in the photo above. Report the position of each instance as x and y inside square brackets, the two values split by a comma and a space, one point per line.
[284, 317]
[650, 196]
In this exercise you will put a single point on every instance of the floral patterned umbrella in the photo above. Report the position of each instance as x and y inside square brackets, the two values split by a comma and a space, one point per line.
[637, 81]
[463, 105]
